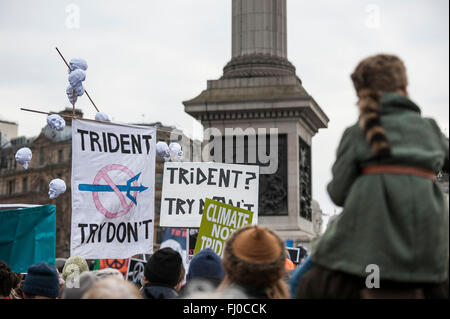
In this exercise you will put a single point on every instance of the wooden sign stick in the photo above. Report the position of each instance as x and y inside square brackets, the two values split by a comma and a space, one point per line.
[62, 57]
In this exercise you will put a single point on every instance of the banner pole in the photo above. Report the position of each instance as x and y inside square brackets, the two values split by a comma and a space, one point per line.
[187, 245]
[67, 64]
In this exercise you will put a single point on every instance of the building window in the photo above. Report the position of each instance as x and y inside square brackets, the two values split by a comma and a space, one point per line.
[60, 156]
[24, 185]
[3, 162]
[11, 187]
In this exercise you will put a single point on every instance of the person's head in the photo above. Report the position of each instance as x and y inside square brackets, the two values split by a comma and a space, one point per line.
[254, 258]
[59, 263]
[206, 264]
[41, 282]
[74, 266]
[112, 288]
[6, 280]
[180, 283]
[84, 282]
[107, 272]
[163, 268]
[372, 77]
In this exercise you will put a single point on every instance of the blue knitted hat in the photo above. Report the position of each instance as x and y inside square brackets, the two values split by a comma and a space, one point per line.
[206, 264]
[42, 280]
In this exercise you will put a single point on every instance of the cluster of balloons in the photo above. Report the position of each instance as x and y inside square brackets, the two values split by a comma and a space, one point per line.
[56, 187]
[77, 75]
[169, 152]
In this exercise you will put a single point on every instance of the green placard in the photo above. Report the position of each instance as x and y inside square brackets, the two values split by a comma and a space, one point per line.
[219, 221]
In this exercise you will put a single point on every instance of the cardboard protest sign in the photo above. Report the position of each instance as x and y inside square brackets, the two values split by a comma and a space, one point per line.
[219, 221]
[186, 185]
[28, 236]
[136, 270]
[294, 254]
[113, 178]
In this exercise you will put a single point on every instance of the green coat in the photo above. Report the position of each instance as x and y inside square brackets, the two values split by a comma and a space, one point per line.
[398, 222]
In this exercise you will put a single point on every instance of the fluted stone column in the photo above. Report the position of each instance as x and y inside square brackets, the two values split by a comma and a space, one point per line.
[259, 27]
[259, 40]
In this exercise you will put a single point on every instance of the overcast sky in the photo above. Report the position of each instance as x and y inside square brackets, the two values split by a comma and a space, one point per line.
[146, 57]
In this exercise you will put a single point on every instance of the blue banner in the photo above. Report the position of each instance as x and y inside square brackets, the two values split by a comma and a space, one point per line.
[28, 236]
[177, 235]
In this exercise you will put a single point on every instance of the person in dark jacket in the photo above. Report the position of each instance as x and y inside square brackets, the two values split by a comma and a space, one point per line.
[162, 274]
[395, 216]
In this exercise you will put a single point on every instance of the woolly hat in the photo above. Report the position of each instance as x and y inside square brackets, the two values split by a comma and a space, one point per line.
[82, 285]
[42, 280]
[106, 272]
[164, 267]
[74, 265]
[381, 72]
[206, 264]
[254, 257]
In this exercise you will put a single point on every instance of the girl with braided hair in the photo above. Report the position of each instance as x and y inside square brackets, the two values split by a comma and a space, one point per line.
[395, 216]
[6, 280]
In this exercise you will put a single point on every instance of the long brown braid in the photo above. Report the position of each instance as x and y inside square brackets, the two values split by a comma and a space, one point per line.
[372, 77]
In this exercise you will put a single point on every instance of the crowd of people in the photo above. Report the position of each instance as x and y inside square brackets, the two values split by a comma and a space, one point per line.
[395, 218]
[253, 266]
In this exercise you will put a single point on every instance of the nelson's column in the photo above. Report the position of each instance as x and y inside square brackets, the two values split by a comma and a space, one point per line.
[260, 89]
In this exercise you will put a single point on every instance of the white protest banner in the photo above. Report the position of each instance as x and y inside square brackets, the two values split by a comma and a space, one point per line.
[186, 185]
[113, 179]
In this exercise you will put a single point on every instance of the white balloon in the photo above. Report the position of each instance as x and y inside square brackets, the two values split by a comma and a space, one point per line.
[56, 122]
[162, 149]
[76, 77]
[77, 63]
[100, 116]
[23, 156]
[56, 187]
[71, 95]
[175, 151]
